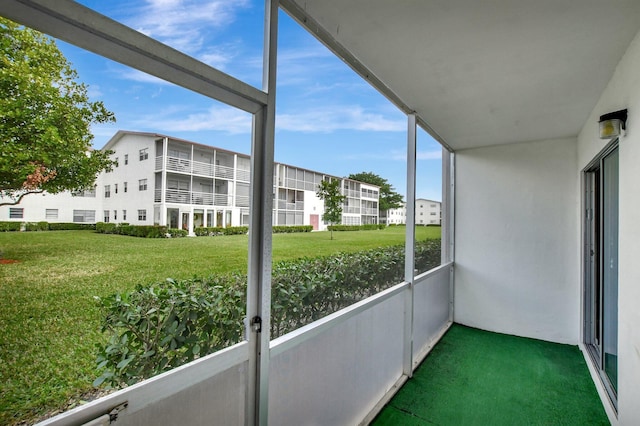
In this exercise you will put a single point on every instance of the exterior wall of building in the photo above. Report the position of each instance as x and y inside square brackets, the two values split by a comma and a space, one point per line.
[397, 216]
[181, 184]
[517, 240]
[130, 184]
[55, 208]
[428, 212]
[623, 91]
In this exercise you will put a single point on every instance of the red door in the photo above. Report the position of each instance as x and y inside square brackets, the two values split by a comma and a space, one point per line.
[315, 221]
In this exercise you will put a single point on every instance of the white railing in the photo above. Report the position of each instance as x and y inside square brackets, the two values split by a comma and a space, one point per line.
[372, 212]
[203, 169]
[350, 363]
[243, 175]
[242, 201]
[178, 165]
[221, 199]
[224, 172]
[177, 196]
[202, 198]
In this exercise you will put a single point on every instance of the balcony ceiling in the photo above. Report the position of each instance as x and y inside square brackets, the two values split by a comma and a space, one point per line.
[482, 72]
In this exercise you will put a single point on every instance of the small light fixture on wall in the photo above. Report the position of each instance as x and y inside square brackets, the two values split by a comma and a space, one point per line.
[612, 124]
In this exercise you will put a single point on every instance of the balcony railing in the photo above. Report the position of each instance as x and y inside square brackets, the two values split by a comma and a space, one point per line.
[340, 386]
[284, 205]
[198, 198]
[198, 168]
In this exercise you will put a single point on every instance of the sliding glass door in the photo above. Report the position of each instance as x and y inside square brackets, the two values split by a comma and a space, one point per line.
[601, 265]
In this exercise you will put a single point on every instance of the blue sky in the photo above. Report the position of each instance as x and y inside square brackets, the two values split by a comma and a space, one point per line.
[327, 118]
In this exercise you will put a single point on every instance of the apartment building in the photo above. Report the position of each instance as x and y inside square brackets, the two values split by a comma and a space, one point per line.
[168, 181]
[428, 212]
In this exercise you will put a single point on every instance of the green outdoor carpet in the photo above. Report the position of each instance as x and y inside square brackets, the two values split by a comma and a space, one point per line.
[475, 377]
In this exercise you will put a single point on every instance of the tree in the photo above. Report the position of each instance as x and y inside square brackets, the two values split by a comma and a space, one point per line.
[329, 192]
[389, 198]
[45, 119]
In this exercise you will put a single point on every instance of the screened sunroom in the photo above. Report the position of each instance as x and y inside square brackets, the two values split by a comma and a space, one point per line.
[536, 105]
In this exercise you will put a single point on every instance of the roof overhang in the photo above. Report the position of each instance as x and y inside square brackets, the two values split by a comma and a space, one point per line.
[481, 73]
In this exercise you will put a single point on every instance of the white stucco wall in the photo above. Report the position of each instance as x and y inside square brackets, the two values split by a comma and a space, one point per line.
[517, 234]
[622, 92]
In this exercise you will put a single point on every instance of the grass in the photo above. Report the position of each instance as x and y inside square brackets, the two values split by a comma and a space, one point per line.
[50, 325]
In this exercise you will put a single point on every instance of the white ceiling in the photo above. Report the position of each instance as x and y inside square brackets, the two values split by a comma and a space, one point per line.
[483, 72]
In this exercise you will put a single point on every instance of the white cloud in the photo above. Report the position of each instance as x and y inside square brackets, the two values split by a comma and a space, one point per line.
[331, 118]
[225, 119]
[183, 24]
[233, 121]
[141, 77]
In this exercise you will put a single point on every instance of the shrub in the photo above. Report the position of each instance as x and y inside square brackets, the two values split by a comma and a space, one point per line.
[235, 230]
[144, 231]
[369, 227]
[209, 231]
[177, 233]
[10, 226]
[161, 326]
[291, 229]
[71, 226]
[39, 226]
[106, 228]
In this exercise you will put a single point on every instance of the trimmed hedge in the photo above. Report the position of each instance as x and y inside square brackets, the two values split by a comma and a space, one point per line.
[177, 233]
[10, 226]
[143, 231]
[45, 226]
[291, 229]
[371, 227]
[161, 326]
[72, 226]
[212, 231]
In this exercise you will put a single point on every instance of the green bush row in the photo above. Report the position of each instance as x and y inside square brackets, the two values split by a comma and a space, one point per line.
[144, 231]
[10, 226]
[212, 231]
[44, 226]
[161, 326]
[370, 227]
[291, 229]
[177, 233]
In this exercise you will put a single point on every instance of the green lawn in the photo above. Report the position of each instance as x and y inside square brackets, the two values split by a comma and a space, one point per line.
[49, 322]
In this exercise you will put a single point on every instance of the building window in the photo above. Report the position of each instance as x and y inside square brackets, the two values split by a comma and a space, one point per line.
[115, 188]
[421, 213]
[106, 216]
[16, 213]
[84, 216]
[115, 215]
[142, 215]
[125, 187]
[126, 159]
[51, 213]
[142, 185]
[433, 205]
[107, 191]
[124, 215]
[117, 161]
[433, 213]
[144, 154]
